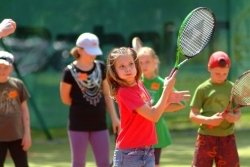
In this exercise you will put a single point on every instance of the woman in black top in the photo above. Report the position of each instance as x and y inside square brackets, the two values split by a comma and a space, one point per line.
[85, 89]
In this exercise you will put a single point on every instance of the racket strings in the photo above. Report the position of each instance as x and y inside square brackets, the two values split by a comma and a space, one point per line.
[195, 38]
[196, 32]
[241, 90]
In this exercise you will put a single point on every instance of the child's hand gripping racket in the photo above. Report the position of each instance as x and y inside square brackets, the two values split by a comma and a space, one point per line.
[240, 94]
[194, 34]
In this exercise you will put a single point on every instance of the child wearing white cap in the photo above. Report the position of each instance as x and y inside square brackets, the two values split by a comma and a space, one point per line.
[90, 43]
[15, 134]
[84, 88]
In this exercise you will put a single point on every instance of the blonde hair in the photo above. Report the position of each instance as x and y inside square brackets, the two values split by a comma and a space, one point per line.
[149, 51]
[112, 77]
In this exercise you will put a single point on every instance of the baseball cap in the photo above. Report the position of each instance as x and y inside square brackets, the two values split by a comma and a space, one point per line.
[6, 58]
[90, 43]
[219, 59]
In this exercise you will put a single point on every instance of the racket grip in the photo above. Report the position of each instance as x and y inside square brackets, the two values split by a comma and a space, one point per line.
[224, 112]
[172, 72]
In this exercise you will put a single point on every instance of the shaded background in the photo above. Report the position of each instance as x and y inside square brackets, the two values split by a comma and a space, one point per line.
[47, 30]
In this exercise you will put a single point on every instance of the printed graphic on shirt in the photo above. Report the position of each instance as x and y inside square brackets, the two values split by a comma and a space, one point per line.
[8, 101]
[153, 91]
[155, 86]
[90, 85]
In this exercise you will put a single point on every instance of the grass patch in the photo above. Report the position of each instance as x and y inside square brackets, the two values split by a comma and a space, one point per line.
[56, 153]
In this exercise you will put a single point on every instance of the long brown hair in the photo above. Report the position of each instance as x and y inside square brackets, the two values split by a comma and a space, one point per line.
[112, 77]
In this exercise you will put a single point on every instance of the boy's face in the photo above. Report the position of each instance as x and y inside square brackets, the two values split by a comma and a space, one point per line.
[5, 71]
[218, 74]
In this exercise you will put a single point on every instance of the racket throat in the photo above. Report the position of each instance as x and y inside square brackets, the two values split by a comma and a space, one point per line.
[184, 61]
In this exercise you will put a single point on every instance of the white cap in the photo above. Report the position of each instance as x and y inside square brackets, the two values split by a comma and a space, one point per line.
[6, 58]
[90, 43]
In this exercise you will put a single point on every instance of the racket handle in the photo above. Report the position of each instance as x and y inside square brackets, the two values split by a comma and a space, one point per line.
[224, 112]
[172, 72]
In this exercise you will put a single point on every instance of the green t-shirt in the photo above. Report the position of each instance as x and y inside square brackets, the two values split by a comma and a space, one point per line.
[211, 98]
[155, 88]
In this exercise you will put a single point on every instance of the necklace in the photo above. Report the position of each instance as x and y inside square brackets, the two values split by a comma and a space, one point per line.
[91, 85]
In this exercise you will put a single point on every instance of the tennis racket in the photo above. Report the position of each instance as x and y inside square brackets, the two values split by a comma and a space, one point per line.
[136, 43]
[194, 34]
[240, 94]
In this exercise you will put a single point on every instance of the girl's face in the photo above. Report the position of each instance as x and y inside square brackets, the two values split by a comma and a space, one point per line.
[85, 56]
[218, 74]
[148, 65]
[126, 69]
[5, 71]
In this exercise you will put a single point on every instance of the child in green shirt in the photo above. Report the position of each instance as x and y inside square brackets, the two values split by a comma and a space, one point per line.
[149, 63]
[216, 140]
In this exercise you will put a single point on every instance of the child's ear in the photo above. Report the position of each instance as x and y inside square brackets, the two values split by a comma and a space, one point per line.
[209, 69]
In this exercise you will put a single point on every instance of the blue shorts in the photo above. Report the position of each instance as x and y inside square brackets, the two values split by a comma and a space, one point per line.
[143, 157]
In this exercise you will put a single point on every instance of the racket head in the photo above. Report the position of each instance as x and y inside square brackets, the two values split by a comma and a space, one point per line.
[241, 90]
[137, 43]
[195, 32]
